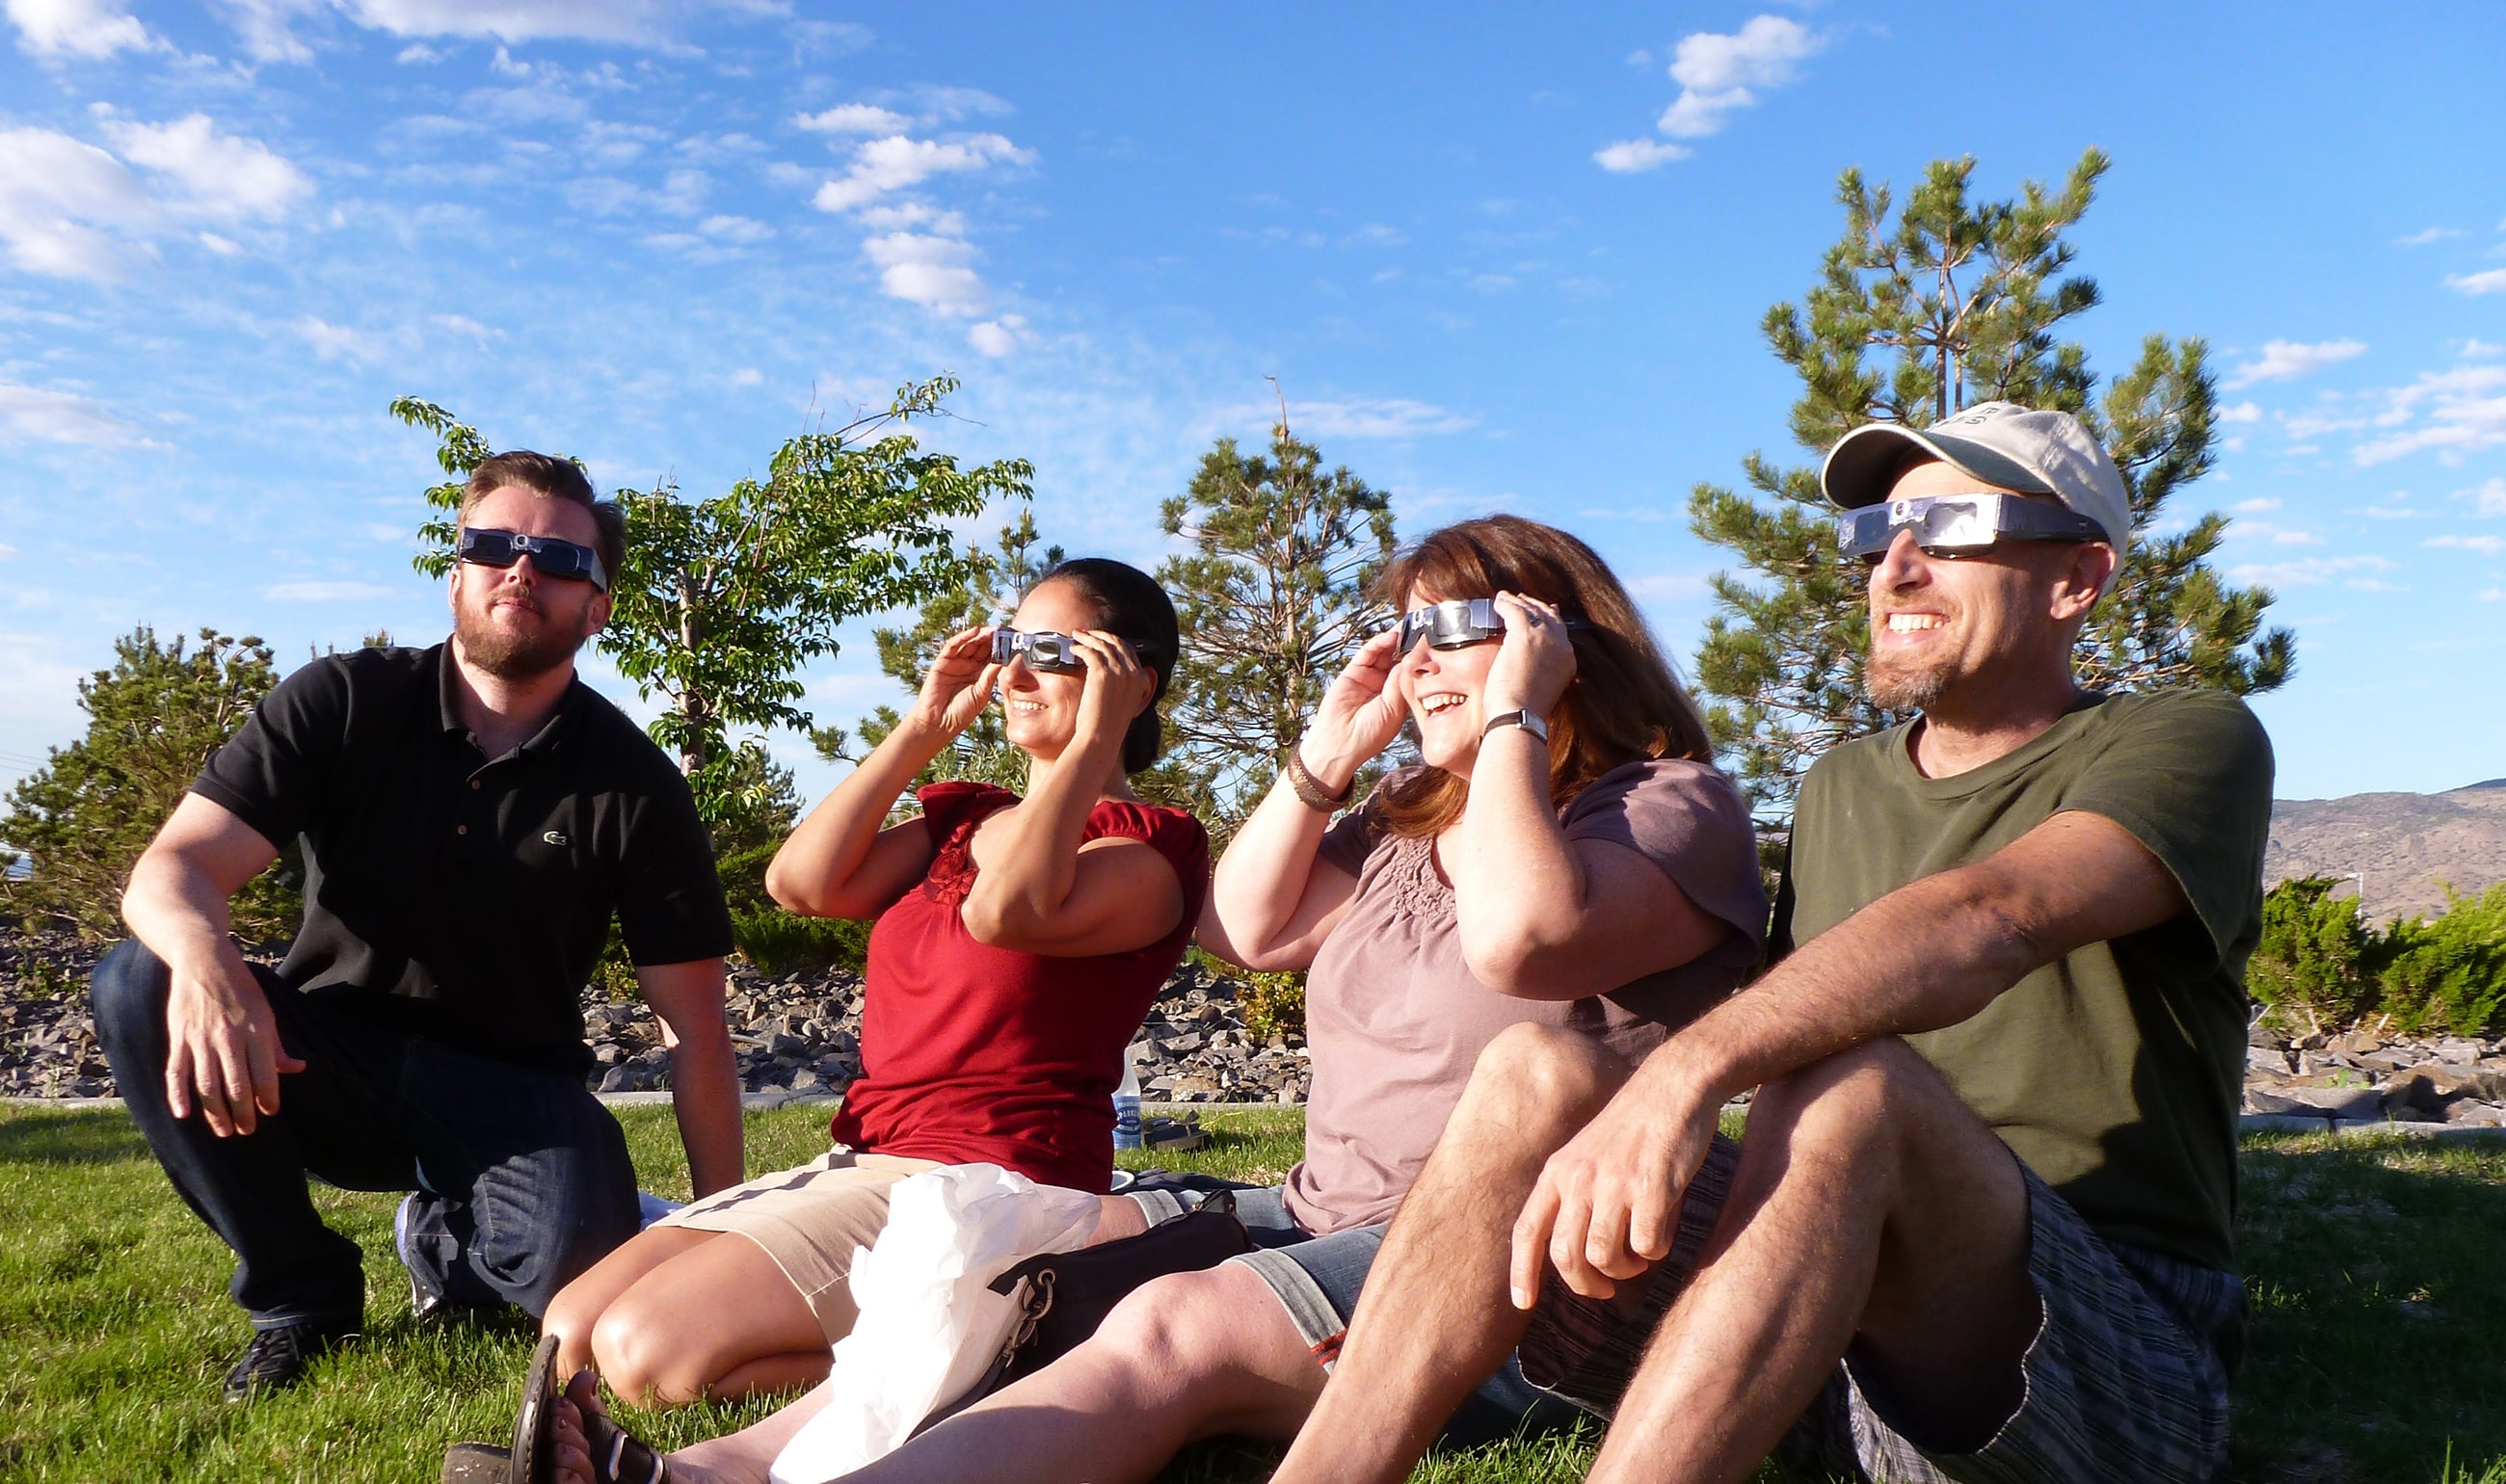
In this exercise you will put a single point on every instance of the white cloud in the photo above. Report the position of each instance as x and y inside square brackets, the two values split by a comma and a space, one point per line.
[224, 247]
[34, 414]
[225, 176]
[1716, 73]
[68, 208]
[2285, 360]
[2486, 546]
[904, 214]
[998, 337]
[748, 375]
[420, 51]
[1386, 417]
[2309, 571]
[2478, 349]
[2492, 497]
[266, 29]
[2244, 411]
[854, 119]
[2432, 235]
[2465, 410]
[88, 28]
[2255, 506]
[338, 342]
[464, 325]
[1628, 157]
[2493, 281]
[326, 592]
[927, 271]
[2492, 594]
[637, 21]
[893, 163]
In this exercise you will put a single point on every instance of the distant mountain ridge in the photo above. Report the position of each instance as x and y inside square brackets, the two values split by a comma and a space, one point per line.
[2407, 846]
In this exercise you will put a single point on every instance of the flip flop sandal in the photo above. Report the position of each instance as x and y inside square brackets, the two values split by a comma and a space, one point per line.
[532, 1458]
[618, 1458]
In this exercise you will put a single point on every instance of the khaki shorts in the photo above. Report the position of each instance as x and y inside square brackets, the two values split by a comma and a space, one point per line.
[810, 1219]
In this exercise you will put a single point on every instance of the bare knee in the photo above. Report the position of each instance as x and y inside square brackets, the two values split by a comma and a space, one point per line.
[640, 1361]
[1535, 1079]
[1209, 1329]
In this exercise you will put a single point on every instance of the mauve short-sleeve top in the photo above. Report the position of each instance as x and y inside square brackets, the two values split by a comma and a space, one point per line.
[1395, 1019]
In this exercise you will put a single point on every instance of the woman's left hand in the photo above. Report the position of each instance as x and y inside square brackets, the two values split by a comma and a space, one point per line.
[1534, 662]
[1116, 689]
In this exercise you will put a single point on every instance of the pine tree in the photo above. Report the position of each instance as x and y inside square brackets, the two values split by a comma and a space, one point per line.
[1953, 302]
[1272, 598]
[83, 816]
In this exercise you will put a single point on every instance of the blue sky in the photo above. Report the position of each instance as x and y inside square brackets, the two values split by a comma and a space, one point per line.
[1499, 257]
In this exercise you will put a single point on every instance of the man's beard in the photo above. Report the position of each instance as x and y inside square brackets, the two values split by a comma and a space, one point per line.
[1894, 685]
[509, 654]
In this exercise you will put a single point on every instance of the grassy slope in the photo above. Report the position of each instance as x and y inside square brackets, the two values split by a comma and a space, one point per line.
[2378, 1282]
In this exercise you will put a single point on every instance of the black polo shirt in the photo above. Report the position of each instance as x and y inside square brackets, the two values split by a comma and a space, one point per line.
[458, 895]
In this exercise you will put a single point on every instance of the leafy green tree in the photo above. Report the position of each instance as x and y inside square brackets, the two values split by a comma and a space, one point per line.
[1272, 593]
[722, 602]
[991, 587]
[83, 816]
[1953, 302]
[2316, 958]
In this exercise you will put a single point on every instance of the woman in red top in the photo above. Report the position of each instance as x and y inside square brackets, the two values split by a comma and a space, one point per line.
[1018, 943]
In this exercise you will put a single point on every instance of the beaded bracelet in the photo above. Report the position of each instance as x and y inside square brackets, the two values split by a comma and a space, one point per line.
[1309, 789]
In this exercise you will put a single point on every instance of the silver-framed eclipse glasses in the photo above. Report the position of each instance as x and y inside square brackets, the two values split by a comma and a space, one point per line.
[1457, 624]
[1958, 525]
[1045, 651]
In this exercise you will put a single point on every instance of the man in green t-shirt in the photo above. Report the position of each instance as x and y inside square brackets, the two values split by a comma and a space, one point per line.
[1980, 1225]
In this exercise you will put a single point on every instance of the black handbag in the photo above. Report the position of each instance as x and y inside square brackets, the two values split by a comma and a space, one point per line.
[1061, 1297]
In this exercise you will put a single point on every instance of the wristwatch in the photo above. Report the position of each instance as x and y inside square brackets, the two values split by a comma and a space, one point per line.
[1531, 721]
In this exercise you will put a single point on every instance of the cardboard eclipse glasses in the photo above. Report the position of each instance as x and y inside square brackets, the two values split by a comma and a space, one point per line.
[1957, 525]
[1459, 625]
[1045, 651]
[550, 556]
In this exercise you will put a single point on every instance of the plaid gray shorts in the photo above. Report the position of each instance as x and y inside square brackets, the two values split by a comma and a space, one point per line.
[2126, 1381]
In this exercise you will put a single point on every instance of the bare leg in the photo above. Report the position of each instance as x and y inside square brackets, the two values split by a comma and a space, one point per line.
[1188, 1357]
[1435, 1320]
[1871, 1207]
[718, 1318]
[578, 1305]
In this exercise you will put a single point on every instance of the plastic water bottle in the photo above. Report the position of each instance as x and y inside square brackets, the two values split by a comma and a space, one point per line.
[1126, 1105]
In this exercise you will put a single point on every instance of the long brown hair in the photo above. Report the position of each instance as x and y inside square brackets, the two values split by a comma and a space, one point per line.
[1624, 704]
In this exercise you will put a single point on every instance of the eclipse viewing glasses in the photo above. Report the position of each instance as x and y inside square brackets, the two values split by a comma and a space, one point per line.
[550, 556]
[1459, 625]
[1045, 651]
[1958, 525]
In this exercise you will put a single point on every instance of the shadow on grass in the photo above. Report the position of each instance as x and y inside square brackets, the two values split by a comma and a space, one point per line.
[2377, 1295]
[80, 1135]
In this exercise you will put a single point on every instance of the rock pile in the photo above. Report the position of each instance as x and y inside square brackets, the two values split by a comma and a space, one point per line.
[800, 1034]
[2358, 1076]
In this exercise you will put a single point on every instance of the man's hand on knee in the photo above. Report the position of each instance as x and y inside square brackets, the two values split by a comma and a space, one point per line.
[1606, 1206]
[223, 1049]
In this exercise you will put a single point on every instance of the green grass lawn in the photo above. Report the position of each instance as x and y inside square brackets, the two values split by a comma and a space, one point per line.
[2376, 1269]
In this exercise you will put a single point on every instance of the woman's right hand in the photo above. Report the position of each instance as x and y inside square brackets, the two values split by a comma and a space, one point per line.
[958, 686]
[1360, 714]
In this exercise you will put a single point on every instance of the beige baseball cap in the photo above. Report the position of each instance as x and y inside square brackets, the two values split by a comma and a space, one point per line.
[2001, 443]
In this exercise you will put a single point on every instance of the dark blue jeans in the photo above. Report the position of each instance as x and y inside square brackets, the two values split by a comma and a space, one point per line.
[522, 1177]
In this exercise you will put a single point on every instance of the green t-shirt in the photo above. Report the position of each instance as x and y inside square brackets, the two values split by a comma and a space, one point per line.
[2117, 1071]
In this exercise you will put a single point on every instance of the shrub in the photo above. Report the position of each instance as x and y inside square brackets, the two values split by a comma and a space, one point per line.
[2313, 957]
[2449, 972]
[1272, 1004]
[780, 943]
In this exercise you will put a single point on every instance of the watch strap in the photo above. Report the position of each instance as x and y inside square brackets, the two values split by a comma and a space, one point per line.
[1531, 721]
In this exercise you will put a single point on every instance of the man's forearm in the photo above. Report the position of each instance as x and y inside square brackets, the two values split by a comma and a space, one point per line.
[704, 1094]
[1925, 956]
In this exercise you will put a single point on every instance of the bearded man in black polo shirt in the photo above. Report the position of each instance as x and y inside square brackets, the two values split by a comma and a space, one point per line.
[472, 817]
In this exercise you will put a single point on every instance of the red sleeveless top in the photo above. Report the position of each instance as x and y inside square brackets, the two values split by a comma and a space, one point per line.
[974, 1054]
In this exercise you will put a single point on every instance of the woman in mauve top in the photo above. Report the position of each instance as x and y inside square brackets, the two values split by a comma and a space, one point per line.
[1600, 882]
[1017, 945]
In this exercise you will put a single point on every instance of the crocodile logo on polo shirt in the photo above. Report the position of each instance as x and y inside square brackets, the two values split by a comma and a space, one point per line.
[554, 837]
